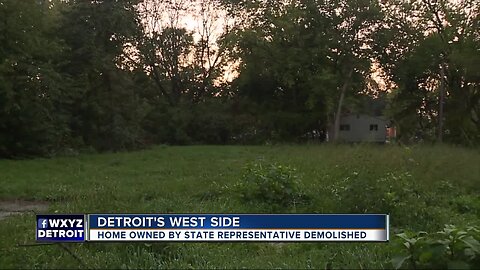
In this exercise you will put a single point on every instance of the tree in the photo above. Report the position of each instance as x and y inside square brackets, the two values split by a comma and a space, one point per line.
[309, 53]
[32, 92]
[354, 24]
[184, 64]
[279, 62]
[107, 112]
[430, 36]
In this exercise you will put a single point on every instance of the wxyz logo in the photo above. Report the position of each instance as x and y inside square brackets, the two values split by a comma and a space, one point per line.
[60, 223]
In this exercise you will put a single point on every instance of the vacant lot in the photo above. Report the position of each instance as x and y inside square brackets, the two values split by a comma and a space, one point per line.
[423, 188]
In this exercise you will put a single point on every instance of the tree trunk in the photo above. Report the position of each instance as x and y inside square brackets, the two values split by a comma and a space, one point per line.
[442, 100]
[336, 125]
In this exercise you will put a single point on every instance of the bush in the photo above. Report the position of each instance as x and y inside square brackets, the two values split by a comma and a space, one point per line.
[362, 194]
[451, 248]
[466, 204]
[276, 186]
[396, 193]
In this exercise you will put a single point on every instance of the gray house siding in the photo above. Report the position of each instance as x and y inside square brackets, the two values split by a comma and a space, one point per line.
[362, 128]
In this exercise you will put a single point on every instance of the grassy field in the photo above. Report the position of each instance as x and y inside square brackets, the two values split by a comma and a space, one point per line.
[422, 187]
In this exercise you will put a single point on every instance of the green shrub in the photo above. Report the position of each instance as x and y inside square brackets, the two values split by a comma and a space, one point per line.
[273, 185]
[396, 193]
[361, 194]
[451, 248]
[466, 204]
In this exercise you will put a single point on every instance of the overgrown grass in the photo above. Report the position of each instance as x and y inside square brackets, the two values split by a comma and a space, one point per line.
[423, 187]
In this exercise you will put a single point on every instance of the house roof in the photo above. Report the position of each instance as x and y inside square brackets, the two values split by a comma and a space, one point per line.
[383, 118]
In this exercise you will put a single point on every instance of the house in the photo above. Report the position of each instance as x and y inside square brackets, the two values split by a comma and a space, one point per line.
[364, 128]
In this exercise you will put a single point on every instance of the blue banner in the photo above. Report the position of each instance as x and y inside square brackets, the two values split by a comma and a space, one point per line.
[238, 221]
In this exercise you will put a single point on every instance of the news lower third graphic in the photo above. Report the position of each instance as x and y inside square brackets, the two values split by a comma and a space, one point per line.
[61, 228]
[213, 228]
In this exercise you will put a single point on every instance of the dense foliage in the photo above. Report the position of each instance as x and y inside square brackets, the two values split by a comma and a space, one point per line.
[271, 187]
[125, 74]
[451, 248]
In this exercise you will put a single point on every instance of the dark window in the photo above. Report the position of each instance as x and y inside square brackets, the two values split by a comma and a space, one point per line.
[373, 127]
[345, 127]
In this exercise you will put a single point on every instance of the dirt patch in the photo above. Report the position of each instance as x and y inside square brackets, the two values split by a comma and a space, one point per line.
[17, 207]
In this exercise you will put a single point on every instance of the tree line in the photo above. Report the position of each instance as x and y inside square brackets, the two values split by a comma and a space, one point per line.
[126, 74]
